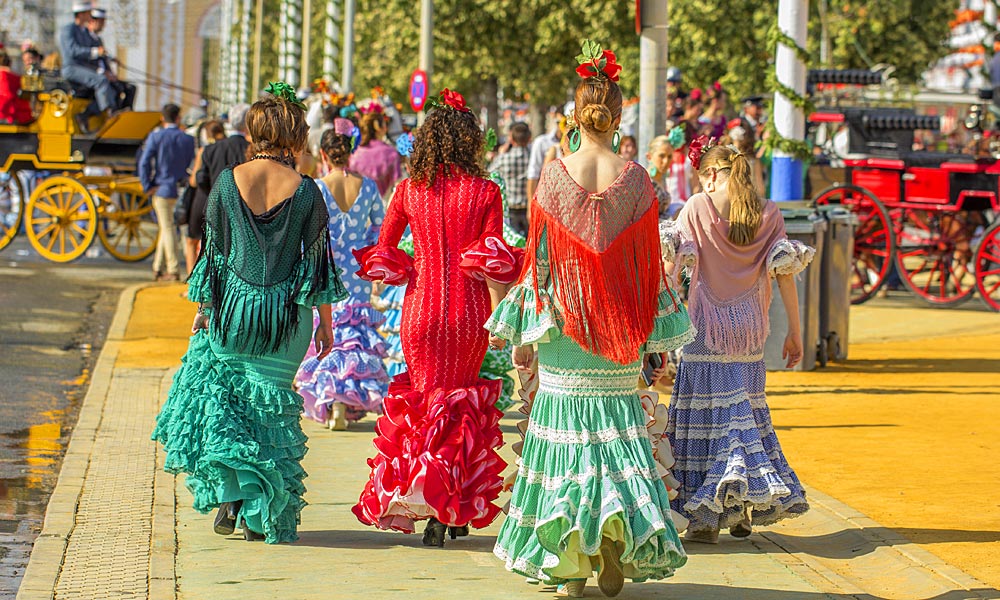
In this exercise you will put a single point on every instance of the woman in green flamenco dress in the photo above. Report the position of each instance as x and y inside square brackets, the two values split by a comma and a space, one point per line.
[231, 419]
[594, 298]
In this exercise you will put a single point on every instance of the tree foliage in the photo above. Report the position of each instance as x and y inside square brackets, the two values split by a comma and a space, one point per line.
[527, 45]
[726, 40]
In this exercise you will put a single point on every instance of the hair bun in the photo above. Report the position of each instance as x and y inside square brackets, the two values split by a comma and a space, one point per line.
[596, 117]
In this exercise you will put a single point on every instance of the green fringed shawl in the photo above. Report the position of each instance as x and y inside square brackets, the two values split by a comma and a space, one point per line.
[259, 267]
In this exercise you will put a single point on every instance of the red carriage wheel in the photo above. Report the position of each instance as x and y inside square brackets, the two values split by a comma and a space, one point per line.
[934, 254]
[988, 267]
[873, 239]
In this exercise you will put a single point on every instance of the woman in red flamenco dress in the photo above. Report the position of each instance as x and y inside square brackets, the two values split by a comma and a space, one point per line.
[438, 436]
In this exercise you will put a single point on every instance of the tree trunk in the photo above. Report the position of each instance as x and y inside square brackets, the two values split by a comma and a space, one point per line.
[491, 93]
[536, 119]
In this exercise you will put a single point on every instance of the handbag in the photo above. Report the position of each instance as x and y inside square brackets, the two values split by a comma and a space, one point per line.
[182, 210]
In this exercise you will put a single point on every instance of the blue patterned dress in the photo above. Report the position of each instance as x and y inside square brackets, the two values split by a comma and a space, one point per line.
[354, 372]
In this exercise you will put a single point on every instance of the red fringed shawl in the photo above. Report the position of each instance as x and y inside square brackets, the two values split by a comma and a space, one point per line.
[605, 259]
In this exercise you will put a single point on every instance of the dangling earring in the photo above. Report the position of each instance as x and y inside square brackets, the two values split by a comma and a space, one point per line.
[616, 141]
[574, 139]
[653, 172]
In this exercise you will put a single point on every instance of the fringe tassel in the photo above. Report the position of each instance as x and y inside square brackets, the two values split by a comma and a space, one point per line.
[257, 319]
[736, 328]
[609, 298]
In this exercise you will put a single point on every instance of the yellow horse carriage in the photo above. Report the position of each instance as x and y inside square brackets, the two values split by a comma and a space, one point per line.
[66, 187]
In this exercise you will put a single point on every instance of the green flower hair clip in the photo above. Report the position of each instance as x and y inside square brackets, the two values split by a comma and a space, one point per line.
[280, 89]
[490, 139]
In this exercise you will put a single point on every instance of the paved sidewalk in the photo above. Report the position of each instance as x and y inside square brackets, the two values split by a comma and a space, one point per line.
[117, 527]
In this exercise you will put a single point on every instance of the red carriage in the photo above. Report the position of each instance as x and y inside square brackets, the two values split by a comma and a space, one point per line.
[926, 218]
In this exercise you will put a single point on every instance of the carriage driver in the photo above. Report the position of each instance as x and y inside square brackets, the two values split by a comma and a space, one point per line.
[125, 91]
[79, 50]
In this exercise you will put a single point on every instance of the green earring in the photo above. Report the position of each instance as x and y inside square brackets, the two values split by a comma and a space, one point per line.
[574, 140]
[616, 142]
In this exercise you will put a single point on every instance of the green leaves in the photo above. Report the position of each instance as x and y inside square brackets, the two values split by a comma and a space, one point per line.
[591, 51]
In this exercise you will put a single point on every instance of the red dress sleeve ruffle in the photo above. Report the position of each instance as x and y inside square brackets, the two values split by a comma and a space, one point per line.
[388, 265]
[490, 257]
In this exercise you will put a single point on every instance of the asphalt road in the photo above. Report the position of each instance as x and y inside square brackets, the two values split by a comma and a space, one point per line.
[53, 323]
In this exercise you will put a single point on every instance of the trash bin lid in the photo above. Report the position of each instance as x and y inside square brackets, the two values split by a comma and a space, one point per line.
[799, 222]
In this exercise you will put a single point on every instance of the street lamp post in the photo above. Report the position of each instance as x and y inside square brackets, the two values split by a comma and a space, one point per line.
[426, 45]
[652, 19]
[347, 78]
[789, 120]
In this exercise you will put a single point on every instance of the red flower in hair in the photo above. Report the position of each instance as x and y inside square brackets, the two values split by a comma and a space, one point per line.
[594, 60]
[695, 94]
[698, 147]
[454, 100]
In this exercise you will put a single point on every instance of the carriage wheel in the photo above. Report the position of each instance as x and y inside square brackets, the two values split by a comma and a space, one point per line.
[988, 267]
[934, 254]
[62, 219]
[11, 206]
[873, 239]
[127, 227]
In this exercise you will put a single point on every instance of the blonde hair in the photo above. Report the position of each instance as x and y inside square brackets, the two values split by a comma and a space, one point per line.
[745, 208]
[659, 141]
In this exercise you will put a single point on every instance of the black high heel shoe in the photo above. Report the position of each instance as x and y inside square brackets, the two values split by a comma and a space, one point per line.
[434, 533]
[457, 532]
[225, 518]
[250, 535]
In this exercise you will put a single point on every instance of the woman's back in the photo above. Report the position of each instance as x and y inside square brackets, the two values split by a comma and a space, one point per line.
[263, 185]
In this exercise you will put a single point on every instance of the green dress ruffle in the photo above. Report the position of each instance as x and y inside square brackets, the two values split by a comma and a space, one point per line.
[231, 419]
[587, 470]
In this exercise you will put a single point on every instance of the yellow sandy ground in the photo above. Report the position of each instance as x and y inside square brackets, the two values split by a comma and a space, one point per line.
[908, 431]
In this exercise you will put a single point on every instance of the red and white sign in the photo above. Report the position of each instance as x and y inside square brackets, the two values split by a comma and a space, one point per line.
[418, 90]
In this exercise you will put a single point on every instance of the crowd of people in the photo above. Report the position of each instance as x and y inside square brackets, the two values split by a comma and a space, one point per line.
[293, 252]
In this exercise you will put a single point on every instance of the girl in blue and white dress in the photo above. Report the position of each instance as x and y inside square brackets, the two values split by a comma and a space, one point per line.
[352, 379]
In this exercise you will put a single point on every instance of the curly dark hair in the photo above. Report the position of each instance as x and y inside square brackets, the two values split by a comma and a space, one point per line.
[448, 138]
[337, 147]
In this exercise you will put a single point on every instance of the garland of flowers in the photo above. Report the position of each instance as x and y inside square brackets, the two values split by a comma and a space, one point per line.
[798, 149]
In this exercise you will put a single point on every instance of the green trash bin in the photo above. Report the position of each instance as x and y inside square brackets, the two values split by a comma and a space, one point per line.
[808, 227]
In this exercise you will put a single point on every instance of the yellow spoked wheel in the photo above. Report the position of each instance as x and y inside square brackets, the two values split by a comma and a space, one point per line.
[62, 219]
[127, 225]
[11, 206]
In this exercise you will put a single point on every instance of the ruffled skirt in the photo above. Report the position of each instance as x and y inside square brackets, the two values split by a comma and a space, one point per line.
[587, 472]
[727, 454]
[436, 458]
[231, 423]
[390, 302]
[353, 373]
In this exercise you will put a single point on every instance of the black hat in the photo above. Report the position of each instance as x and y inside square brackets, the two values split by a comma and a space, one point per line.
[753, 100]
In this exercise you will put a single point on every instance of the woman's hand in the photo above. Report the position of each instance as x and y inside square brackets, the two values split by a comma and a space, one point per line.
[792, 350]
[200, 322]
[523, 357]
[323, 339]
[662, 369]
[497, 343]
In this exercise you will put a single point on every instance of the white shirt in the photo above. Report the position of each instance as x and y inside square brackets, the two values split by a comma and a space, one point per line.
[539, 148]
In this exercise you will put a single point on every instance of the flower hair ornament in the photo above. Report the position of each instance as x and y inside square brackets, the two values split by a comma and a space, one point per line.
[595, 61]
[404, 144]
[676, 137]
[698, 147]
[372, 108]
[280, 89]
[348, 111]
[449, 99]
[490, 140]
[347, 127]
